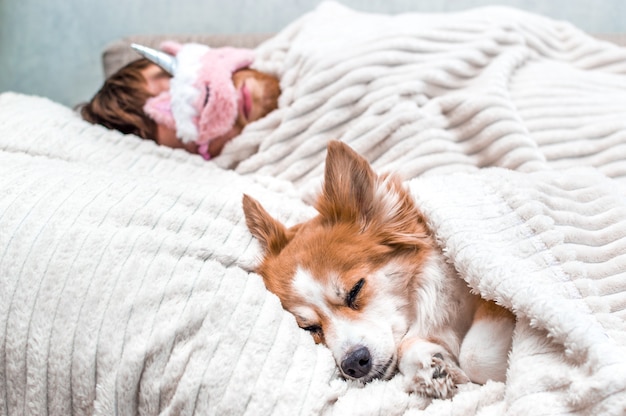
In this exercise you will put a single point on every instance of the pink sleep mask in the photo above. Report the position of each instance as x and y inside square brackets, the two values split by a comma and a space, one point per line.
[202, 102]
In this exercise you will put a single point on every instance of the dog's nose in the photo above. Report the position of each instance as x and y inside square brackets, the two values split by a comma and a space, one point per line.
[357, 363]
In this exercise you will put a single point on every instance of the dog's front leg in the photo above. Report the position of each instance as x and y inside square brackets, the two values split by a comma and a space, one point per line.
[429, 369]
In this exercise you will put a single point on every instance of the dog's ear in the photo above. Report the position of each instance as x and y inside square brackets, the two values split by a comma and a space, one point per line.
[352, 191]
[271, 233]
[348, 191]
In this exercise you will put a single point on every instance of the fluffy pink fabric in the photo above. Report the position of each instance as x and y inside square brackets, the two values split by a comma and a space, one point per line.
[216, 102]
[160, 110]
[220, 112]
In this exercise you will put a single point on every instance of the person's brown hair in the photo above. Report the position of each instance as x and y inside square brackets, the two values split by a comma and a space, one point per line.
[119, 102]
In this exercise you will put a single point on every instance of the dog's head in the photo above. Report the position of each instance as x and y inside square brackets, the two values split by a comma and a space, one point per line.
[349, 275]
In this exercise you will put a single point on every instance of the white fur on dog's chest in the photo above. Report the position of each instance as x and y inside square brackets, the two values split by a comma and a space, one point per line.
[442, 301]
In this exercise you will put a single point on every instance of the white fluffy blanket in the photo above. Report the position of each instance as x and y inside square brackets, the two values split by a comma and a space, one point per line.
[126, 269]
[438, 93]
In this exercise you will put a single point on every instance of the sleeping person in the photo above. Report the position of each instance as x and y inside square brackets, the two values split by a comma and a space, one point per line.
[186, 96]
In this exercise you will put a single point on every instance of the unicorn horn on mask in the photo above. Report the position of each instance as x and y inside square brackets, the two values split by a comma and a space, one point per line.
[162, 59]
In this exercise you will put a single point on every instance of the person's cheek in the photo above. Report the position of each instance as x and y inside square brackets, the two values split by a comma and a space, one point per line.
[217, 144]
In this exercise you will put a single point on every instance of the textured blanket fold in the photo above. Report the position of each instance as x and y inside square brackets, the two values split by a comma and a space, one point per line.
[564, 276]
[435, 93]
[126, 269]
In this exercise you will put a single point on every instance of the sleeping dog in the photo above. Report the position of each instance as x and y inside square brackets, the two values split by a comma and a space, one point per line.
[366, 278]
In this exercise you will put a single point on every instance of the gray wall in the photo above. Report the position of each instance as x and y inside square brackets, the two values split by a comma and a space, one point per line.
[52, 47]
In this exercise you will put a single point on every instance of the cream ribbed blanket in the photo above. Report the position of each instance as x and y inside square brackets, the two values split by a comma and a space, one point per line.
[438, 93]
[126, 283]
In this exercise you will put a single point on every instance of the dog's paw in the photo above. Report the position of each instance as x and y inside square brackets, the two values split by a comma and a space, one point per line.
[431, 371]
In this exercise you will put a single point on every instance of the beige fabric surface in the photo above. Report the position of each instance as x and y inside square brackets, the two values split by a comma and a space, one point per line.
[429, 94]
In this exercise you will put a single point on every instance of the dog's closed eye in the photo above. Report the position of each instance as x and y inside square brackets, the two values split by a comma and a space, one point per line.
[316, 332]
[351, 299]
[313, 328]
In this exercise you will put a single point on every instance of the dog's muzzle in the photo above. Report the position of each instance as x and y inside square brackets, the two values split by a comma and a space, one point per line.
[357, 363]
